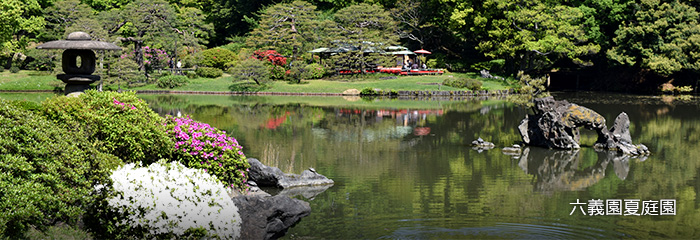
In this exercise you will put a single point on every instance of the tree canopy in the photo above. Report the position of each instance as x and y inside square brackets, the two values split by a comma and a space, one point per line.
[532, 36]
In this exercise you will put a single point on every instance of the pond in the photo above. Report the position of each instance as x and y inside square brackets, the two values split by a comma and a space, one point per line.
[404, 169]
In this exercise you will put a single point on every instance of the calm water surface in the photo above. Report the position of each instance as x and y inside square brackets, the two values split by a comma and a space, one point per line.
[405, 170]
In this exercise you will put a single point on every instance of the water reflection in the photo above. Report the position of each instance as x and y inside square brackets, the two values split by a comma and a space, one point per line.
[560, 170]
[404, 169]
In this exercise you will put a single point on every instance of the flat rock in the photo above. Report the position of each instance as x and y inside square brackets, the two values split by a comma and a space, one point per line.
[266, 176]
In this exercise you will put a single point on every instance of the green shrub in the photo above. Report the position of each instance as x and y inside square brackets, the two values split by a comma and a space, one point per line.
[313, 71]
[368, 92]
[251, 70]
[191, 74]
[216, 58]
[14, 69]
[471, 84]
[294, 74]
[432, 63]
[209, 72]
[496, 65]
[121, 122]
[47, 172]
[172, 81]
[277, 72]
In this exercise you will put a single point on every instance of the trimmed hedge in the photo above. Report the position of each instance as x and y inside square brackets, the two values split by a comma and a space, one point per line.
[172, 81]
[471, 84]
[217, 58]
[209, 72]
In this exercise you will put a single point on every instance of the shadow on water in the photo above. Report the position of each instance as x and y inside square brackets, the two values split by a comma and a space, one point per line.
[559, 170]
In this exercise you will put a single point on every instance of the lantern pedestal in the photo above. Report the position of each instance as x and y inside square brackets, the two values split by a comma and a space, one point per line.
[77, 84]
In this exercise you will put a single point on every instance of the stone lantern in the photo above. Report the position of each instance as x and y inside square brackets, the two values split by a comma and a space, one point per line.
[78, 60]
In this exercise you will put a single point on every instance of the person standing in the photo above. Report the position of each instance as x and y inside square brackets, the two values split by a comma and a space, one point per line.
[179, 67]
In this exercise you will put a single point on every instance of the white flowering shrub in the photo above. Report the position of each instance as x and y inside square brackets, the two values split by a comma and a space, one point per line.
[169, 199]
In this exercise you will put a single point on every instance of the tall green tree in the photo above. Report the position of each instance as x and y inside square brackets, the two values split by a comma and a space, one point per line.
[364, 31]
[533, 35]
[665, 38]
[20, 21]
[63, 14]
[143, 21]
[413, 19]
[233, 17]
[287, 28]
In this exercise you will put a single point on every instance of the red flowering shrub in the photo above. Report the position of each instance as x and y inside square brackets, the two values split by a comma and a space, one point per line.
[271, 56]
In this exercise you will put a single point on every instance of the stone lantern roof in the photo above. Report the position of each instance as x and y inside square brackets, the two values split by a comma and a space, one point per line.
[79, 40]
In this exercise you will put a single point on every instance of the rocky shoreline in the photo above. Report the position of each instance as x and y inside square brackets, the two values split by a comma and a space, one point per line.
[265, 216]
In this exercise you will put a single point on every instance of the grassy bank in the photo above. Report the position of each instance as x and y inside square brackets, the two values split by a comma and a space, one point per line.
[32, 80]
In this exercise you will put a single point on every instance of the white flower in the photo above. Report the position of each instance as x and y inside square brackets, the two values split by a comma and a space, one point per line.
[171, 198]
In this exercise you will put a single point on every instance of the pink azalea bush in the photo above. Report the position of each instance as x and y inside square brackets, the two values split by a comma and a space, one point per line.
[202, 146]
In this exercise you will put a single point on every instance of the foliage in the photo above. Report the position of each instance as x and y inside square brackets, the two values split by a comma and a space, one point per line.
[123, 69]
[277, 72]
[286, 28]
[217, 58]
[294, 74]
[368, 92]
[209, 72]
[535, 34]
[172, 81]
[153, 58]
[168, 200]
[208, 148]
[251, 69]
[47, 171]
[496, 65]
[61, 16]
[191, 74]
[14, 69]
[669, 88]
[41, 60]
[468, 83]
[20, 19]
[313, 71]
[363, 29]
[140, 22]
[664, 38]
[122, 123]
[530, 88]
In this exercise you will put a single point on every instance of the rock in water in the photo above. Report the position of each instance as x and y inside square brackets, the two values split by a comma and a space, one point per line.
[266, 176]
[556, 124]
[479, 144]
[621, 128]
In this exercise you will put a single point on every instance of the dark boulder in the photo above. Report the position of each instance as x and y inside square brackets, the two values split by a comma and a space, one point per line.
[556, 124]
[269, 217]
